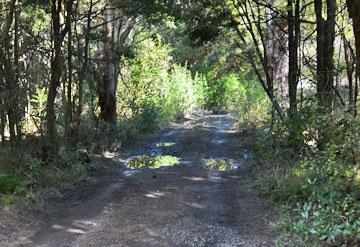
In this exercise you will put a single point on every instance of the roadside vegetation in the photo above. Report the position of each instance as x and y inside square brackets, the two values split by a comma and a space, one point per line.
[81, 77]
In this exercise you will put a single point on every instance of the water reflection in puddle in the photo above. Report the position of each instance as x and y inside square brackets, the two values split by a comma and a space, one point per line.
[129, 173]
[221, 165]
[152, 162]
[245, 155]
[219, 141]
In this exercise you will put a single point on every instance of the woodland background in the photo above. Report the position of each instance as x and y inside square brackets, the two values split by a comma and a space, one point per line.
[78, 77]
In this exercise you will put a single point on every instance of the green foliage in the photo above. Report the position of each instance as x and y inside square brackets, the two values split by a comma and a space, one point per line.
[153, 90]
[25, 175]
[8, 183]
[186, 93]
[320, 188]
[233, 92]
[38, 103]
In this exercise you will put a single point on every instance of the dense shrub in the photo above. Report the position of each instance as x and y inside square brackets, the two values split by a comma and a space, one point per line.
[246, 97]
[320, 187]
[153, 90]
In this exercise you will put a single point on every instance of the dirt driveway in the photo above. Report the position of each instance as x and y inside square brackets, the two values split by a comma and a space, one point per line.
[183, 205]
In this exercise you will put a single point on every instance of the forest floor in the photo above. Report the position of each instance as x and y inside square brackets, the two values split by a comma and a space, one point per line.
[182, 205]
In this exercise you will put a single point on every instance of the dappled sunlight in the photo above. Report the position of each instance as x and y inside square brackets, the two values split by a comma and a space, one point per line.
[219, 141]
[217, 179]
[358, 176]
[195, 179]
[127, 123]
[227, 131]
[75, 231]
[82, 223]
[170, 133]
[58, 227]
[122, 160]
[155, 195]
[77, 227]
[165, 144]
[129, 173]
[194, 205]
[69, 230]
[109, 155]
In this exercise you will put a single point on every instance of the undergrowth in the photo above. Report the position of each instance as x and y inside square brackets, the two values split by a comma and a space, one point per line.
[152, 91]
[318, 188]
[25, 176]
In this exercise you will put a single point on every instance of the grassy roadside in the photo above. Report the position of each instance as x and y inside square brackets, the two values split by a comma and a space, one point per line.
[25, 177]
[318, 192]
[30, 173]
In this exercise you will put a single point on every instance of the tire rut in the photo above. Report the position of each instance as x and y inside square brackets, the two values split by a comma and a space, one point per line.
[185, 205]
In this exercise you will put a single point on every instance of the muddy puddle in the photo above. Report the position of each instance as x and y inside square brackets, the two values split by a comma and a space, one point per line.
[152, 162]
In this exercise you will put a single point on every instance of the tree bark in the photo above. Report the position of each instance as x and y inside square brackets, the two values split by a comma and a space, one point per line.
[350, 68]
[9, 57]
[55, 64]
[354, 13]
[325, 53]
[264, 73]
[293, 45]
[83, 71]
[110, 50]
[55, 68]
[108, 83]
[69, 102]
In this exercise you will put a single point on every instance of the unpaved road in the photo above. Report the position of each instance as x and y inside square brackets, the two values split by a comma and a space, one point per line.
[185, 205]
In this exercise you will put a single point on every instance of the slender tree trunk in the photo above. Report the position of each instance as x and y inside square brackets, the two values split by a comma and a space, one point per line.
[350, 68]
[2, 126]
[83, 71]
[325, 63]
[69, 101]
[247, 18]
[8, 40]
[354, 12]
[107, 85]
[116, 34]
[55, 64]
[293, 42]
[55, 68]
[325, 53]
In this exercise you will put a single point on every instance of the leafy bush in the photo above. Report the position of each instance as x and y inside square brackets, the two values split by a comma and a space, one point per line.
[8, 183]
[153, 90]
[246, 97]
[321, 189]
[185, 93]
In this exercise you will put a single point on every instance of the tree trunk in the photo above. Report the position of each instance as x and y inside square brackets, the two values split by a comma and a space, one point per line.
[83, 71]
[293, 42]
[354, 13]
[69, 101]
[325, 53]
[10, 55]
[265, 72]
[108, 83]
[2, 126]
[55, 68]
[350, 68]
[55, 64]
[110, 50]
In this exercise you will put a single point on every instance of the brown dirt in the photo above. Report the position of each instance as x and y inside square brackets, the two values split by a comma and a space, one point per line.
[185, 205]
